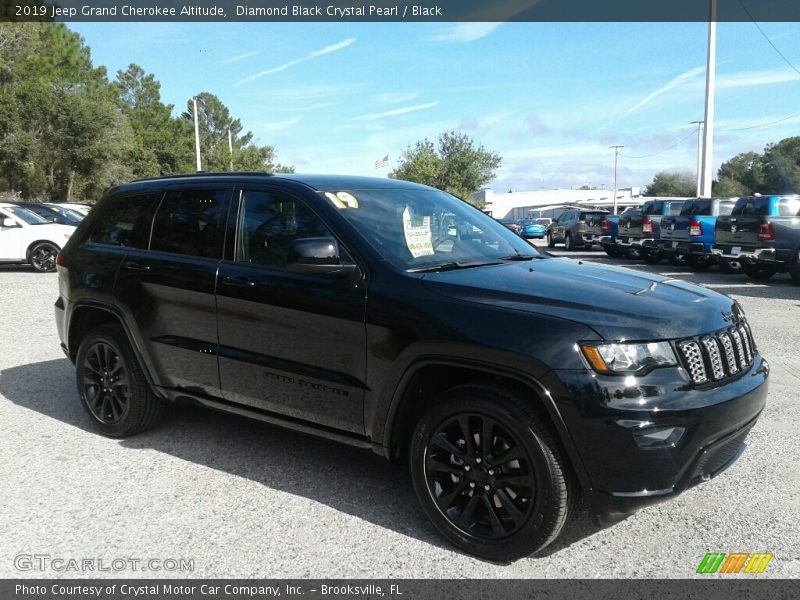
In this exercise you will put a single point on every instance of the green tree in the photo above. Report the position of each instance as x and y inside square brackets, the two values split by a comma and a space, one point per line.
[782, 166]
[746, 169]
[681, 185]
[455, 164]
[728, 188]
[215, 121]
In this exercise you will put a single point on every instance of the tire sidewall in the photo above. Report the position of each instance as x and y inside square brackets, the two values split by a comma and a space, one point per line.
[33, 250]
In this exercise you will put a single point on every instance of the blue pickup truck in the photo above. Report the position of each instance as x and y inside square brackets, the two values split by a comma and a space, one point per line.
[689, 236]
[605, 233]
[763, 233]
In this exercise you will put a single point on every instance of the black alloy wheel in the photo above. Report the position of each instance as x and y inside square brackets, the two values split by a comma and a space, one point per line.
[489, 472]
[729, 265]
[758, 272]
[43, 257]
[112, 386]
[652, 257]
[633, 253]
[106, 387]
[678, 259]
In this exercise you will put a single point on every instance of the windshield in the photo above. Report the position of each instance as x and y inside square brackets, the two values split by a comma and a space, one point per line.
[25, 215]
[417, 229]
[696, 207]
[752, 207]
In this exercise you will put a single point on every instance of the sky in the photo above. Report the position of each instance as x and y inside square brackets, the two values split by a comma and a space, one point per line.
[549, 98]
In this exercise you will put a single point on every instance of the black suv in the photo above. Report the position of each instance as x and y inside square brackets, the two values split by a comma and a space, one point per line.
[377, 313]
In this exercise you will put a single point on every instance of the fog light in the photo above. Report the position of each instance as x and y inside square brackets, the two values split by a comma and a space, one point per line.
[659, 437]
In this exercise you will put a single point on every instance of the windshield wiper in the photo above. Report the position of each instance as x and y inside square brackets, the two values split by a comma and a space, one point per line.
[517, 257]
[450, 266]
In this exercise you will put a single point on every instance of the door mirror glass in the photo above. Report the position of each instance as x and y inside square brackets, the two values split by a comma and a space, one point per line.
[319, 255]
[7, 222]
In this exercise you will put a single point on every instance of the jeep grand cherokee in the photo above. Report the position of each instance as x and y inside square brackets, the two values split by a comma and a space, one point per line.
[375, 312]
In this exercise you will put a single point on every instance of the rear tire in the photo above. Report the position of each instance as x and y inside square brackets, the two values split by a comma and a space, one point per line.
[794, 268]
[678, 259]
[568, 243]
[633, 253]
[500, 500]
[729, 266]
[112, 386]
[758, 272]
[612, 251]
[42, 257]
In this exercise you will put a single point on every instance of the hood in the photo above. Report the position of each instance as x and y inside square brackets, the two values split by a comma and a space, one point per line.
[617, 303]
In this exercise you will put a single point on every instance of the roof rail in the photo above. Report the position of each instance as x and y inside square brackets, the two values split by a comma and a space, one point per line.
[206, 174]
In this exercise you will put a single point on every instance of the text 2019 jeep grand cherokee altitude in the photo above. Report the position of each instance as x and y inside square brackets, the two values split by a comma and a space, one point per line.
[376, 312]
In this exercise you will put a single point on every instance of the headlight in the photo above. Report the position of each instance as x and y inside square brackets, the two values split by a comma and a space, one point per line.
[628, 358]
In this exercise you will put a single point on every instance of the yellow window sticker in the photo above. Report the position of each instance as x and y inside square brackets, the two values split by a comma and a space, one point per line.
[342, 199]
[418, 235]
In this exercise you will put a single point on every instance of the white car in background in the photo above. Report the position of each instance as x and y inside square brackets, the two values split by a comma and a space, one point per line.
[27, 238]
[81, 208]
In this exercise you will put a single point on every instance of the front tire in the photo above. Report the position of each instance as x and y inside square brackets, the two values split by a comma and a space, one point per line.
[652, 257]
[42, 257]
[633, 253]
[112, 386]
[550, 242]
[490, 474]
[678, 259]
[568, 243]
[729, 266]
[699, 263]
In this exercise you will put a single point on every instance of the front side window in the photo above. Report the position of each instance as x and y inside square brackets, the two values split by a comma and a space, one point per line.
[268, 224]
[125, 221]
[418, 229]
[652, 208]
[191, 222]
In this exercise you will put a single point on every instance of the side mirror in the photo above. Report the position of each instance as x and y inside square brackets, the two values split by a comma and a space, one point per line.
[8, 222]
[318, 256]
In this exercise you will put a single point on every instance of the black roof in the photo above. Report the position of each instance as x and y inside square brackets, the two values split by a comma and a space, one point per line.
[316, 182]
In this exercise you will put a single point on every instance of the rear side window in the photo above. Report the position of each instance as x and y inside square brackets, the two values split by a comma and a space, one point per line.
[674, 208]
[191, 222]
[789, 207]
[726, 208]
[125, 220]
[594, 216]
[752, 207]
[697, 207]
[652, 208]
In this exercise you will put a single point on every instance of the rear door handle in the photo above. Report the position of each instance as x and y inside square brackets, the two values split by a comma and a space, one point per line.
[238, 281]
[136, 266]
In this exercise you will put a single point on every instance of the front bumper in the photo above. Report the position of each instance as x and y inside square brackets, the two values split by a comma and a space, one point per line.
[604, 415]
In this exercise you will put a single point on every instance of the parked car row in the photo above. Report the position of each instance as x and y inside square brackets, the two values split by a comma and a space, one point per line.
[33, 233]
[757, 235]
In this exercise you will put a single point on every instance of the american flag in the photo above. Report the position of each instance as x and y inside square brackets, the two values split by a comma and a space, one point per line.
[384, 162]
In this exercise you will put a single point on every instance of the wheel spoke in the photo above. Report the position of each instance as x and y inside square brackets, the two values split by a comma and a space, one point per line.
[463, 422]
[514, 480]
[512, 454]
[436, 465]
[440, 440]
[494, 520]
[511, 508]
[487, 438]
[105, 406]
[446, 500]
[465, 520]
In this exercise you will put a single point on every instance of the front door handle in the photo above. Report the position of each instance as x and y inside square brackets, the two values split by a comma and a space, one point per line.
[136, 266]
[241, 281]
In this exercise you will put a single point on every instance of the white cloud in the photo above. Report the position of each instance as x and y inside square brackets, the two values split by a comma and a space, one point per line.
[309, 92]
[395, 112]
[464, 33]
[316, 53]
[744, 79]
[670, 85]
[395, 97]
[238, 57]
[279, 125]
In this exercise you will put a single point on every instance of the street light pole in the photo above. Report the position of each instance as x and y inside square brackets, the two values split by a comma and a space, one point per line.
[699, 156]
[197, 137]
[230, 146]
[616, 154]
[708, 130]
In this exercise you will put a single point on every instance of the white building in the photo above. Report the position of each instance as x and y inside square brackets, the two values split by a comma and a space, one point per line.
[549, 203]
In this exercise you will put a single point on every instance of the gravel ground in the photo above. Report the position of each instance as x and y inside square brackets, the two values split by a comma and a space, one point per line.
[243, 499]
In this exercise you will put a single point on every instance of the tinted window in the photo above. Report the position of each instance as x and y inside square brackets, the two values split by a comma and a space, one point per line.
[653, 208]
[752, 207]
[125, 220]
[23, 214]
[789, 207]
[675, 208]
[726, 208]
[191, 222]
[268, 224]
[696, 207]
[591, 216]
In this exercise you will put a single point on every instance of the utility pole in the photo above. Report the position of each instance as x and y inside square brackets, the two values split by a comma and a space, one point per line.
[616, 154]
[230, 146]
[699, 156]
[197, 136]
[711, 74]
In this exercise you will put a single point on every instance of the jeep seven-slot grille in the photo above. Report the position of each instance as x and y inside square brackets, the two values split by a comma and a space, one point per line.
[713, 357]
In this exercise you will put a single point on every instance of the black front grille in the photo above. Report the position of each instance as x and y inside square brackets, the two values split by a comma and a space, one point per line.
[717, 356]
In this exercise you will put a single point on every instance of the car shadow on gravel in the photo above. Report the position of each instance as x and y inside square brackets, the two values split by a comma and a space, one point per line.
[350, 480]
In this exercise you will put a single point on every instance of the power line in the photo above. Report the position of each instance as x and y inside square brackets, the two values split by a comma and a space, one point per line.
[774, 47]
[764, 124]
[670, 147]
